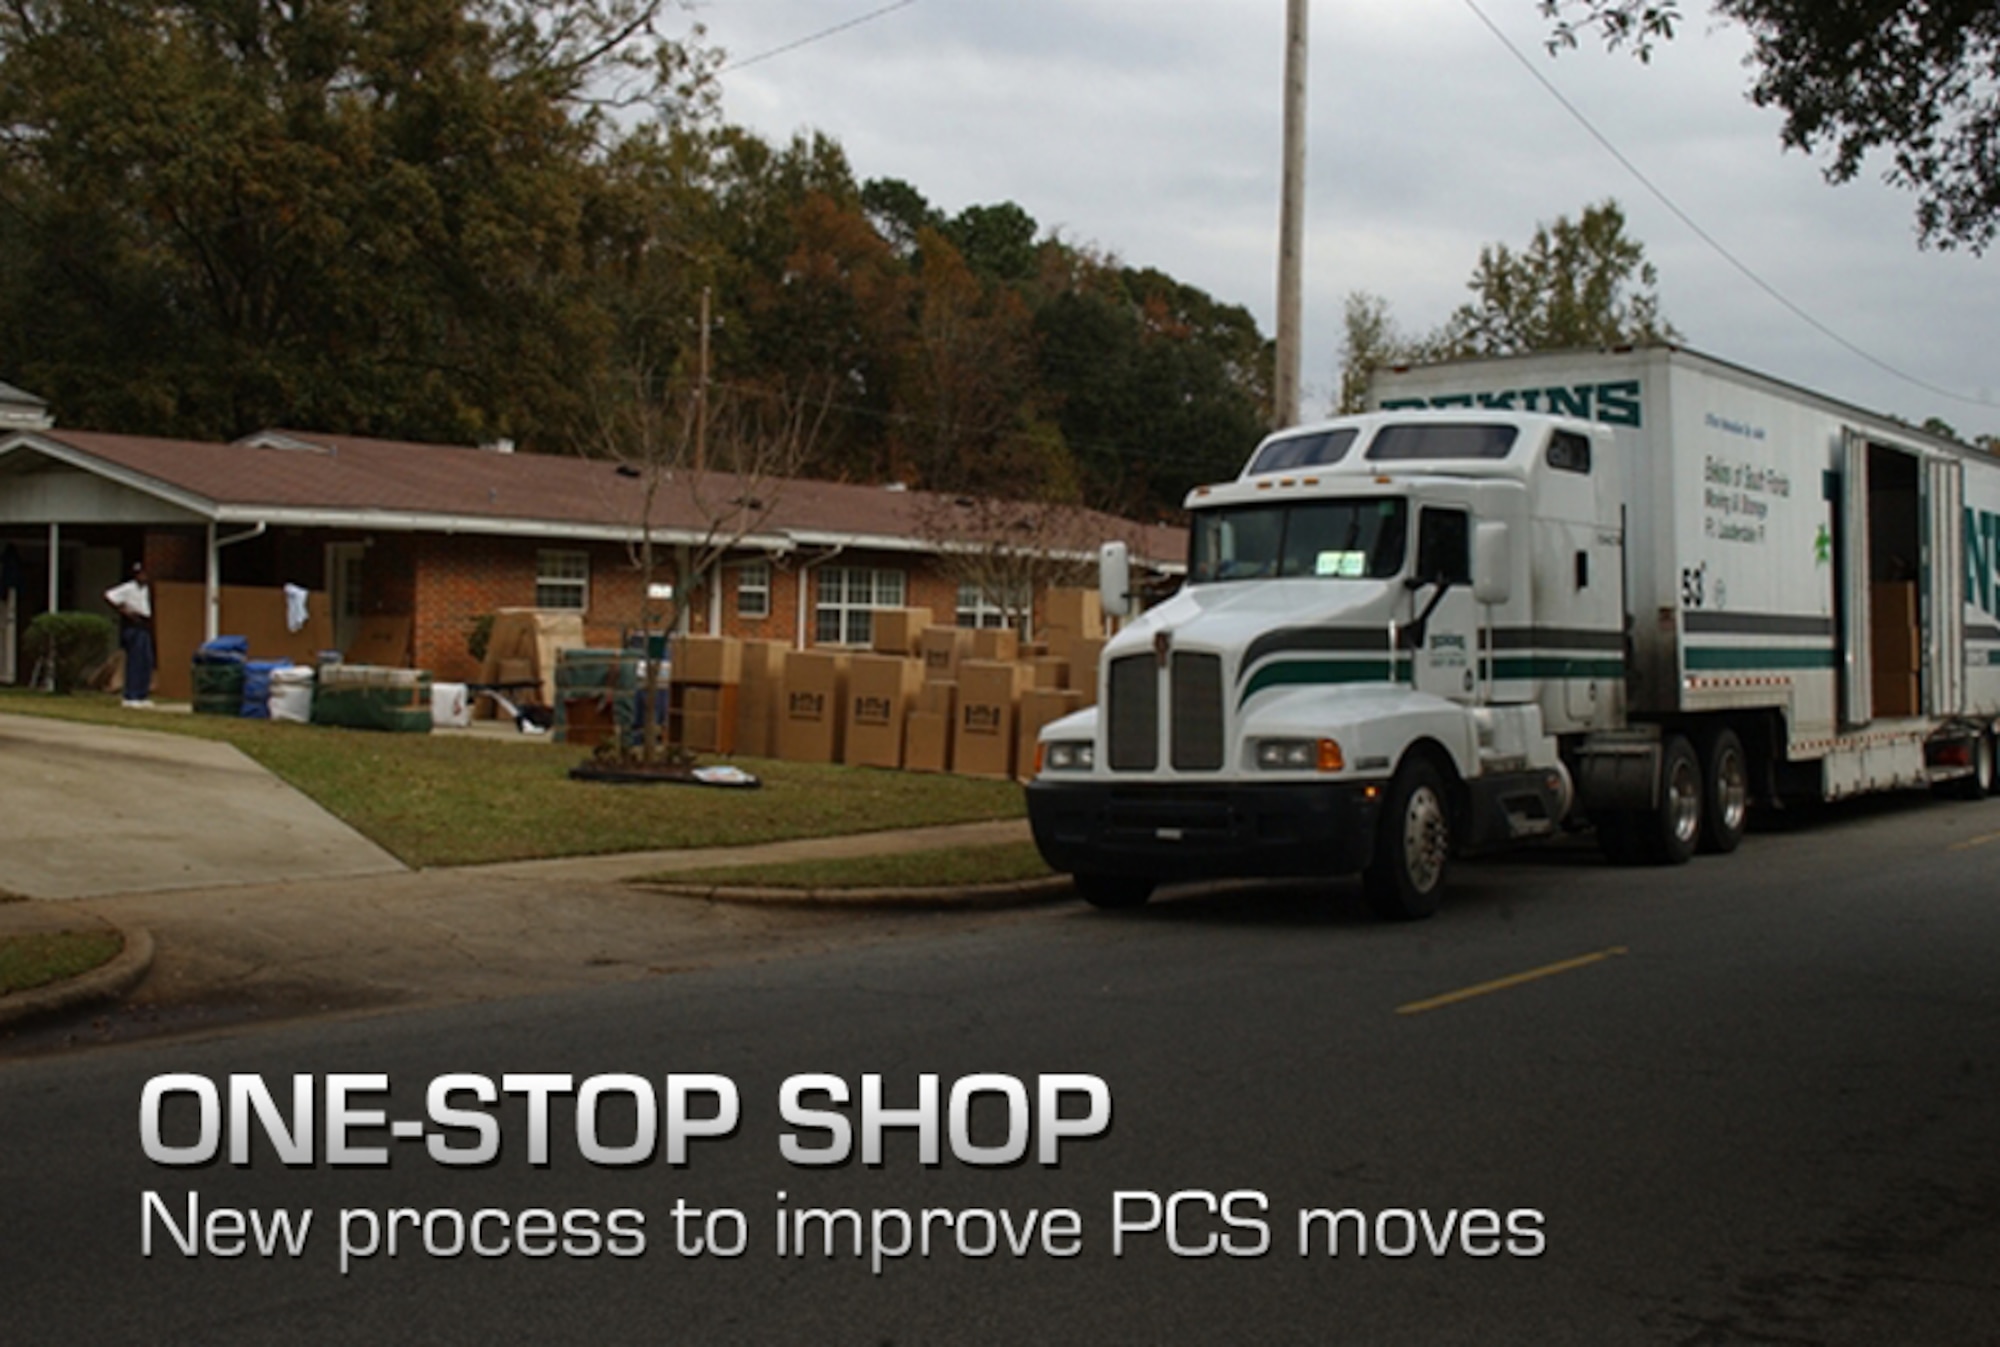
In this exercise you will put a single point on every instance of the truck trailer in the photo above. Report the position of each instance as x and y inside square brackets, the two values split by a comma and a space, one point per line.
[1641, 591]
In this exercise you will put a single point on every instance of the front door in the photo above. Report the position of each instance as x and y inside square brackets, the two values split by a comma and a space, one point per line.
[343, 589]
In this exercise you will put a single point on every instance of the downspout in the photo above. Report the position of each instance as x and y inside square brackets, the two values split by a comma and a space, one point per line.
[212, 622]
[805, 573]
[55, 551]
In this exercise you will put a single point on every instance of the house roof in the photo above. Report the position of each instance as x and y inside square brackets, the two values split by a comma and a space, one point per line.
[316, 479]
[18, 407]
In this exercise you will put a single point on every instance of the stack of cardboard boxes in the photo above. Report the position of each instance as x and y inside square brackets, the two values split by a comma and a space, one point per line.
[923, 697]
[702, 692]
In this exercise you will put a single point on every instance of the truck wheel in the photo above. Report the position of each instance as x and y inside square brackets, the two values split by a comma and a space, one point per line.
[1673, 827]
[1113, 890]
[1982, 782]
[1725, 779]
[1412, 846]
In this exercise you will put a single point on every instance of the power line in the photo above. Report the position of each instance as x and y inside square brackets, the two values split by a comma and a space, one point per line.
[811, 38]
[1703, 234]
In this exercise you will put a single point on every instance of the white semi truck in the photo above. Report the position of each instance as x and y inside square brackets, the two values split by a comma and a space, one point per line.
[1638, 590]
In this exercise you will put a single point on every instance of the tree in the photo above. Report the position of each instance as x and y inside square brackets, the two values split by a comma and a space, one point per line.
[965, 394]
[221, 217]
[1916, 79]
[703, 467]
[1581, 283]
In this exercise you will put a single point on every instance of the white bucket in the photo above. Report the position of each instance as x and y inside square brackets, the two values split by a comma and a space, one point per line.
[451, 706]
[292, 694]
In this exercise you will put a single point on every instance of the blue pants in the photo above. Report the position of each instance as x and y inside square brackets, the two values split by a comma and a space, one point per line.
[137, 643]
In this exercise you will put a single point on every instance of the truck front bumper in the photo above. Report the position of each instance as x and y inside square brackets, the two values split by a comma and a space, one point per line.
[1219, 831]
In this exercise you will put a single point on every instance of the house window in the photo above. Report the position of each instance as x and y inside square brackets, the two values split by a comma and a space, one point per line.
[753, 589]
[978, 607]
[848, 596]
[562, 580]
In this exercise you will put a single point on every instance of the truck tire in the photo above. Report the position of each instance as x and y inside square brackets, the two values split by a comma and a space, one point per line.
[1993, 756]
[1412, 845]
[1112, 891]
[1984, 781]
[1671, 830]
[1725, 780]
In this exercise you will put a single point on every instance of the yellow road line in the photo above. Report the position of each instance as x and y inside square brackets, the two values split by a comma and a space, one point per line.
[1971, 842]
[1512, 980]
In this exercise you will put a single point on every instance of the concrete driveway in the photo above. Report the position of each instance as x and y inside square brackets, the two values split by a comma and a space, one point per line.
[88, 810]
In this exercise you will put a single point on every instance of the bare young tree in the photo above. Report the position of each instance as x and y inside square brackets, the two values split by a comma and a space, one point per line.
[704, 466]
[1010, 550]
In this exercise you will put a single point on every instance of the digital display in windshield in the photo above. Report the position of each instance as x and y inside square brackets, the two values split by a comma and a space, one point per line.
[1326, 540]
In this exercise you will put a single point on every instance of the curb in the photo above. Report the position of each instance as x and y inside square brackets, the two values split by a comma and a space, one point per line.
[106, 982]
[1020, 893]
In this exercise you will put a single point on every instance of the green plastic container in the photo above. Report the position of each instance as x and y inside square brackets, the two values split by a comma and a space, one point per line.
[218, 689]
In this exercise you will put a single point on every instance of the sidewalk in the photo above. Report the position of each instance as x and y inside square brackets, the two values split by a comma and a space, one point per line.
[258, 951]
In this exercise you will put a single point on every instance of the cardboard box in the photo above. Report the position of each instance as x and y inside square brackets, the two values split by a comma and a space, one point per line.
[701, 732]
[757, 698]
[1039, 706]
[938, 698]
[707, 659]
[898, 631]
[982, 738]
[1050, 671]
[880, 691]
[1086, 655]
[943, 650]
[927, 741]
[701, 700]
[1073, 610]
[527, 643]
[809, 713]
[996, 643]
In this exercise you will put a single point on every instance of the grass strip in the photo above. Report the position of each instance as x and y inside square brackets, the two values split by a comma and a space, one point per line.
[37, 959]
[1005, 863]
[448, 799]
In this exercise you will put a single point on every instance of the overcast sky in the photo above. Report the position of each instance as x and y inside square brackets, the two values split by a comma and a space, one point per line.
[1150, 129]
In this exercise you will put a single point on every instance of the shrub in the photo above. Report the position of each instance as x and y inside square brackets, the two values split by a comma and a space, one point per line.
[479, 636]
[73, 644]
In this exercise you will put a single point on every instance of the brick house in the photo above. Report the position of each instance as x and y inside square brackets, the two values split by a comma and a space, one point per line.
[443, 535]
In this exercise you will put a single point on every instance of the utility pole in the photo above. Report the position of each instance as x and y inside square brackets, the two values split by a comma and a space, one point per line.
[1291, 218]
[701, 393]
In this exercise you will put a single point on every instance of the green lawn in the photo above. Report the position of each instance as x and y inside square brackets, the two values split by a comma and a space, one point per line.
[28, 961]
[456, 800]
[1003, 864]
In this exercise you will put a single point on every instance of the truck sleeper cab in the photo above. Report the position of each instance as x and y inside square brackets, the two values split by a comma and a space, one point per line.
[1322, 696]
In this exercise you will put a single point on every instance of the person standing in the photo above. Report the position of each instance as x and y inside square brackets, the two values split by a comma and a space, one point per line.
[134, 602]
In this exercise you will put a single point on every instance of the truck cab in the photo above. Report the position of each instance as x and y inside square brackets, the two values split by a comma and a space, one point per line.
[1388, 623]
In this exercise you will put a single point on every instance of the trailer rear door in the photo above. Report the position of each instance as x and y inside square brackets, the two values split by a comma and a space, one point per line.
[1944, 616]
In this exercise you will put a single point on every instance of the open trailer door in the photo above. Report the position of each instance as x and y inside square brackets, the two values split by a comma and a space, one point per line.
[1944, 568]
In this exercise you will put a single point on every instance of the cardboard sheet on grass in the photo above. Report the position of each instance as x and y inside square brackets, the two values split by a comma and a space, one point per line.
[248, 611]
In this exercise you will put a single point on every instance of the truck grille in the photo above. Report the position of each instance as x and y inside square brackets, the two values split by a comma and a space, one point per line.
[1134, 713]
[1134, 694]
[1197, 722]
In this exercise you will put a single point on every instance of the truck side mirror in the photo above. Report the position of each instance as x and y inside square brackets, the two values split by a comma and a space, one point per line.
[1492, 563]
[1114, 579]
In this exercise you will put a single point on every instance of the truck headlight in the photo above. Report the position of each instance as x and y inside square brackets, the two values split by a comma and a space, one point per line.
[1299, 755]
[1068, 755]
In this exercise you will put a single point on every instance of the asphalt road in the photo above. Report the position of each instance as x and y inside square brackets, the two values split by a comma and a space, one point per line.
[1756, 1099]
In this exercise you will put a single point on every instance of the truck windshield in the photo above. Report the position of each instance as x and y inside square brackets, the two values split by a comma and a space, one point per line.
[1330, 539]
